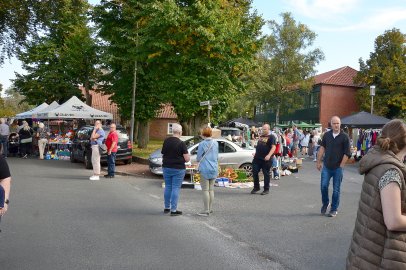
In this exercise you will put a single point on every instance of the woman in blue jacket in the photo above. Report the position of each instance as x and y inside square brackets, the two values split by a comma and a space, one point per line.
[207, 156]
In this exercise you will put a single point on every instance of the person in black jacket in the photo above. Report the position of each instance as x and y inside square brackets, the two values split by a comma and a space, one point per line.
[5, 182]
[25, 135]
[335, 149]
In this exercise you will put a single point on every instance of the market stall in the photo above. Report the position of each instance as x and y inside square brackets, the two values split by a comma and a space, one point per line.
[28, 114]
[363, 129]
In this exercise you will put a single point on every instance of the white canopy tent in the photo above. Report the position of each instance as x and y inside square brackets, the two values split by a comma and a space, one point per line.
[51, 106]
[28, 114]
[74, 108]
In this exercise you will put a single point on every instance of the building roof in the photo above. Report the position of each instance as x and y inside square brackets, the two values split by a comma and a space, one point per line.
[342, 76]
[102, 102]
[166, 112]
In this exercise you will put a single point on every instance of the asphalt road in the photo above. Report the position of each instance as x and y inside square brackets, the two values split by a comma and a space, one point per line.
[58, 219]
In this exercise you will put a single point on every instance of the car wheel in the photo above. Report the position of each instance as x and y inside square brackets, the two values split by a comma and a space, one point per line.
[88, 161]
[72, 158]
[128, 161]
[248, 168]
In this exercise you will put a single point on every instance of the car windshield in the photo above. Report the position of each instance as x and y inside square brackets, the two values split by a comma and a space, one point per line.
[232, 132]
[192, 141]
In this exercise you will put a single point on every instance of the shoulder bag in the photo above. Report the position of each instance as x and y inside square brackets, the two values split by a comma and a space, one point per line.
[204, 155]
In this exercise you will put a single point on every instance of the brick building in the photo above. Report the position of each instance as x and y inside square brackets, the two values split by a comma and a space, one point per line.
[333, 93]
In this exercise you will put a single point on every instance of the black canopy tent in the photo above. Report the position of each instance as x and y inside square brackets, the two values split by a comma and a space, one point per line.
[245, 121]
[364, 120]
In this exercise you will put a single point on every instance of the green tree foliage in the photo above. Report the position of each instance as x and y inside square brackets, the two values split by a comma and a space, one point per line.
[200, 50]
[386, 69]
[61, 58]
[286, 64]
[22, 19]
[12, 103]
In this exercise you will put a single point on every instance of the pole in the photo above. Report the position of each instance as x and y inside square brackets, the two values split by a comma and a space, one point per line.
[372, 104]
[208, 113]
[134, 90]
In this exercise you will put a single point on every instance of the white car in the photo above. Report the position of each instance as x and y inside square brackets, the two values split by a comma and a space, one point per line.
[230, 155]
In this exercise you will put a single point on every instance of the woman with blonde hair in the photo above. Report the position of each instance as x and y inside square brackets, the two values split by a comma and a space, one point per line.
[207, 156]
[25, 135]
[379, 237]
[42, 135]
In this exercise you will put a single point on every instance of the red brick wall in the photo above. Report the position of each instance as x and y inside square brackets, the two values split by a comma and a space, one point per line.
[158, 128]
[336, 100]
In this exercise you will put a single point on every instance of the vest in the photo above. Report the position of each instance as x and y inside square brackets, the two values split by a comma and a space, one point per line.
[373, 246]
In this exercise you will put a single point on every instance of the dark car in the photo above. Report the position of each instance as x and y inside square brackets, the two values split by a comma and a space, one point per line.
[81, 148]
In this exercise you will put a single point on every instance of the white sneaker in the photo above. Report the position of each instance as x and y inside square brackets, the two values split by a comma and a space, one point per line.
[94, 178]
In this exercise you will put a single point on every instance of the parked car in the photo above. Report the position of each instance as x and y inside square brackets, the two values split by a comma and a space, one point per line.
[81, 148]
[230, 155]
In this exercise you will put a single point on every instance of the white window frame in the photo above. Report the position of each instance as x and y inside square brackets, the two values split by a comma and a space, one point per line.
[170, 130]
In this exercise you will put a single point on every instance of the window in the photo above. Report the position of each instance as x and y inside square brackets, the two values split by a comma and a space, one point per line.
[225, 147]
[170, 126]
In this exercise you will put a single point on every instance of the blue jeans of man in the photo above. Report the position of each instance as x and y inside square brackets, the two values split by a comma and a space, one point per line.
[326, 175]
[173, 182]
[275, 166]
[4, 144]
[111, 163]
[265, 166]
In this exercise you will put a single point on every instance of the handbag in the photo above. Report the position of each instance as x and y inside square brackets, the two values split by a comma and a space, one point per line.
[27, 140]
[103, 148]
[204, 155]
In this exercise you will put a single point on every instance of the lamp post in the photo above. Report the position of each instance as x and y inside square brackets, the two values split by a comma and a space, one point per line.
[372, 94]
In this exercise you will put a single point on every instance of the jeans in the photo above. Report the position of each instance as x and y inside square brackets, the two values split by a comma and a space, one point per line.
[173, 182]
[111, 163]
[257, 165]
[326, 175]
[4, 144]
[275, 167]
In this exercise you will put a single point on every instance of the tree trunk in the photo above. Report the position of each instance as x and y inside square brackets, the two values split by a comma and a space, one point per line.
[185, 128]
[278, 107]
[87, 93]
[143, 134]
[136, 126]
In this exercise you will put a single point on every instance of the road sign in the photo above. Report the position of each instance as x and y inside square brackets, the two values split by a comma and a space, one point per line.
[204, 103]
[214, 102]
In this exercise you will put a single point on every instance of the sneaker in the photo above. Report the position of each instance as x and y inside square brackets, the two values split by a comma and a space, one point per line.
[255, 190]
[324, 209]
[176, 213]
[276, 177]
[332, 214]
[25, 156]
[94, 178]
[167, 210]
[265, 192]
[204, 214]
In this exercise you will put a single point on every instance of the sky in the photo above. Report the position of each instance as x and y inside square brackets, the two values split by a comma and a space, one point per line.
[346, 29]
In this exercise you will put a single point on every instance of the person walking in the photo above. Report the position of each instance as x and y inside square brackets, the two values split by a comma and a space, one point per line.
[305, 142]
[42, 135]
[316, 144]
[5, 183]
[379, 236]
[174, 155]
[25, 135]
[4, 133]
[96, 140]
[111, 143]
[263, 159]
[335, 149]
[207, 156]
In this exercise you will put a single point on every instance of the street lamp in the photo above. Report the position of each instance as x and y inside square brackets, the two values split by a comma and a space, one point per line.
[372, 94]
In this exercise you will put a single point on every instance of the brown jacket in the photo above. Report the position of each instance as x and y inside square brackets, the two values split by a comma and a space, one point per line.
[373, 246]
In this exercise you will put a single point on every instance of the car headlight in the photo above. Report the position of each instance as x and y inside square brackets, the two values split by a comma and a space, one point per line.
[156, 160]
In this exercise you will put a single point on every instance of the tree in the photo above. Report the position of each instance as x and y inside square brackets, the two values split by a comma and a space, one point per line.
[285, 65]
[22, 19]
[199, 50]
[12, 103]
[59, 59]
[386, 69]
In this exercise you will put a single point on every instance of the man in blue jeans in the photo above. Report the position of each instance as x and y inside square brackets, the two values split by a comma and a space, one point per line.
[334, 151]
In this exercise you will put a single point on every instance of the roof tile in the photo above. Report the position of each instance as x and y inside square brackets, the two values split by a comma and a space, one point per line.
[342, 76]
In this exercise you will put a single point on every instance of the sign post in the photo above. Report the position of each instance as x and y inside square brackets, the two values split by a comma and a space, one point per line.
[209, 104]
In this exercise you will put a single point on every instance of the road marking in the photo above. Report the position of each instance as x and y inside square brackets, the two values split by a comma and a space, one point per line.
[154, 196]
[218, 231]
[137, 188]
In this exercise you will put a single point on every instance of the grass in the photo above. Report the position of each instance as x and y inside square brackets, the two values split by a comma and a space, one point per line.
[151, 147]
